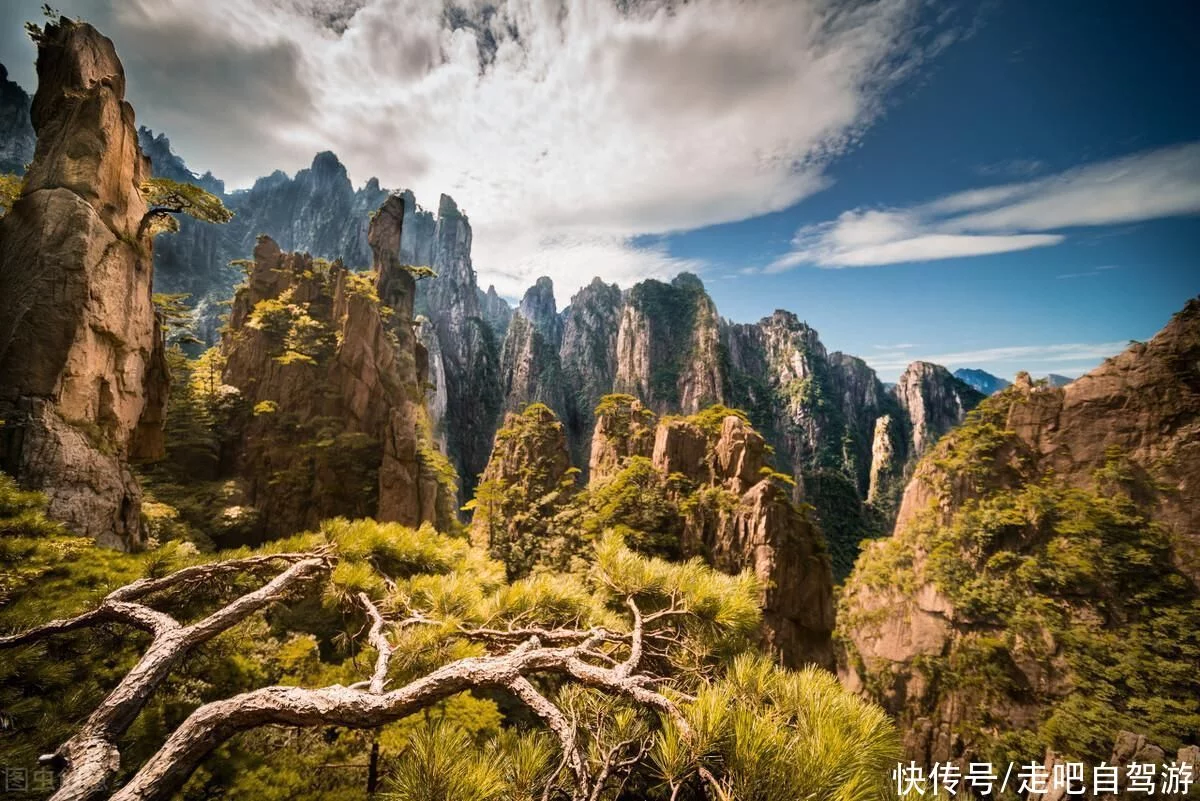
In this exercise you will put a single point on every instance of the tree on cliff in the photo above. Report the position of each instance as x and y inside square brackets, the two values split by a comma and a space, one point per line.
[167, 198]
[638, 676]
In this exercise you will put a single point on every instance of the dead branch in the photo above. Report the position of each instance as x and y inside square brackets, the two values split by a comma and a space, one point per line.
[90, 759]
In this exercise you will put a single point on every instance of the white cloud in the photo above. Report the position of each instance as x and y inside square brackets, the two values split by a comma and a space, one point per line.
[547, 120]
[1008, 217]
[1015, 357]
[1090, 273]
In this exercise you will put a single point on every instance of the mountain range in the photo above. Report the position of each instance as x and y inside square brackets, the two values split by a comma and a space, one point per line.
[1018, 570]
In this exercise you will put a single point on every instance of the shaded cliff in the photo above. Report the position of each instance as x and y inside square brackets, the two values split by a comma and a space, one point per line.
[82, 380]
[677, 488]
[1049, 539]
[17, 138]
[317, 211]
[469, 347]
[530, 368]
[589, 358]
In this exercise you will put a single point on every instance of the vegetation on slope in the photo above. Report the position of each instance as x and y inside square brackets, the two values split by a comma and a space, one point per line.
[1065, 602]
[745, 726]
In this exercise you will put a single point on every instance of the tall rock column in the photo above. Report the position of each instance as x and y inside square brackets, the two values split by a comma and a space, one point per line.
[77, 327]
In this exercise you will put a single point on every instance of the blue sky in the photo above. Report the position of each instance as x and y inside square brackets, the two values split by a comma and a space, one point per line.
[838, 159]
[1038, 89]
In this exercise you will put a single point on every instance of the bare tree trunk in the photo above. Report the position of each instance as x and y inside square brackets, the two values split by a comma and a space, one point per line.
[90, 759]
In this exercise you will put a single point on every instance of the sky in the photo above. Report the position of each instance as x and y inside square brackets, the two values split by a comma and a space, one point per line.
[999, 184]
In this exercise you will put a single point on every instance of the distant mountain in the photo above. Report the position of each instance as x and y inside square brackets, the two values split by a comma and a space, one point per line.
[981, 380]
[1056, 380]
[16, 129]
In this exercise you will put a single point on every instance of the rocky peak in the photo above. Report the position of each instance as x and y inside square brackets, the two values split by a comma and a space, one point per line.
[981, 380]
[934, 400]
[668, 346]
[527, 480]
[538, 307]
[313, 354]
[469, 347]
[496, 312]
[79, 363]
[624, 429]
[164, 162]
[326, 166]
[703, 488]
[418, 240]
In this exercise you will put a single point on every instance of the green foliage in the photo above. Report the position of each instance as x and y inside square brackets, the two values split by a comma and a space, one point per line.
[461, 748]
[441, 764]
[774, 735]
[529, 478]
[844, 519]
[10, 190]
[167, 197]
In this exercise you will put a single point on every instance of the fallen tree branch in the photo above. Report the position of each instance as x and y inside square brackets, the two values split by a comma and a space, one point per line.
[214, 723]
[90, 759]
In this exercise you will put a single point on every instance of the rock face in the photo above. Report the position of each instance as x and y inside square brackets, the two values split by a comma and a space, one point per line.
[589, 358]
[668, 346]
[1021, 543]
[468, 344]
[624, 429]
[753, 526]
[81, 373]
[496, 312]
[664, 344]
[333, 423]
[530, 370]
[17, 139]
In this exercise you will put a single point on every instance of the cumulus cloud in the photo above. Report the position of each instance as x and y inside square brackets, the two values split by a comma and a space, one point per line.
[579, 122]
[1008, 217]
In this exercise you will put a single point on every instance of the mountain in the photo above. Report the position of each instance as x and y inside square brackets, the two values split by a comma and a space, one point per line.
[17, 138]
[318, 399]
[677, 487]
[848, 442]
[981, 380]
[1056, 380]
[83, 376]
[1041, 590]
[317, 211]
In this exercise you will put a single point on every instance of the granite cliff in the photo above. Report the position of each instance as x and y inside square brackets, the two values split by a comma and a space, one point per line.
[82, 372]
[317, 211]
[1050, 538]
[674, 487]
[849, 443]
[320, 376]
